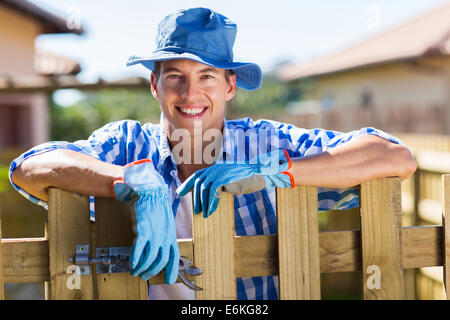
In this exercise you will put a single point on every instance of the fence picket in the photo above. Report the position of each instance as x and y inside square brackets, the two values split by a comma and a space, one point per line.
[382, 270]
[214, 252]
[68, 226]
[2, 283]
[298, 243]
[446, 231]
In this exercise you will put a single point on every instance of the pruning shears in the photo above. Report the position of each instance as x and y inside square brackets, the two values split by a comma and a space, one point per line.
[187, 267]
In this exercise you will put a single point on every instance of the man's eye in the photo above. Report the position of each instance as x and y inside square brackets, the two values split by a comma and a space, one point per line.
[174, 76]
[207, 76]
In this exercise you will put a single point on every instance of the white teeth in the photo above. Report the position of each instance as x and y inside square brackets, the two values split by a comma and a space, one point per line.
[191, 111]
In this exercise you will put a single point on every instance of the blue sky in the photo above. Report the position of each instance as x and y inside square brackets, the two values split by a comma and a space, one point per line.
[268, 31]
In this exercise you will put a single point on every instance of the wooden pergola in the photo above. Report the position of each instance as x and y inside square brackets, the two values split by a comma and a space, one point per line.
[29, 84]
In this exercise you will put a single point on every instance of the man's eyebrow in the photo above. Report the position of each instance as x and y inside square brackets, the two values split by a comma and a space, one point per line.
[170, 69]
[209, 70]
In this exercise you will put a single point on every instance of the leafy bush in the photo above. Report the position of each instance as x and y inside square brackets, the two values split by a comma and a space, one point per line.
[4, 179]
[97, 109]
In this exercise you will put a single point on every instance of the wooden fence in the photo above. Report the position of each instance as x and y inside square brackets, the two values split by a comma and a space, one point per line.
[422, 201]
[382, 249]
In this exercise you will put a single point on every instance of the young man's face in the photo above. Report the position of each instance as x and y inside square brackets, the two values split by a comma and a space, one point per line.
[190, 91]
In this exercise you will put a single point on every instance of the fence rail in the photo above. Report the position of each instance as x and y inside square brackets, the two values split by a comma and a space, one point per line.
[381, 248]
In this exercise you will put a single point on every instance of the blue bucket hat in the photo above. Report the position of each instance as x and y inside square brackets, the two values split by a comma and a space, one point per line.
[202, 35]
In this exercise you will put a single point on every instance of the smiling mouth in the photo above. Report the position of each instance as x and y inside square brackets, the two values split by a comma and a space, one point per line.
[192, 112]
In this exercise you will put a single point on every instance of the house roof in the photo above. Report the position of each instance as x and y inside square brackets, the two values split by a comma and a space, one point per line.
[46, 63]
[51, 22]
[426, 35]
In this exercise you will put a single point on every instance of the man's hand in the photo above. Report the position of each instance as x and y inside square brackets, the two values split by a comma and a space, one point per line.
[266, 171]
[155, 247]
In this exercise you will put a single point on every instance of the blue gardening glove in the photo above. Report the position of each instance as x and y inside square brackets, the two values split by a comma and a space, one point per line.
[155, 247]
[265, 172]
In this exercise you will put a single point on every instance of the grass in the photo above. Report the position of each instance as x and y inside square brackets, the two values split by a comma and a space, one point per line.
[4, 179]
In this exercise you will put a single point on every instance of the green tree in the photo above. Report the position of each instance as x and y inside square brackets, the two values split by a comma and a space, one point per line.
[99, 108]
[270, 99]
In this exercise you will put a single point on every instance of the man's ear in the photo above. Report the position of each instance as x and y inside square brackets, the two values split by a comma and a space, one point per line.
[232, 88]
[153, 86]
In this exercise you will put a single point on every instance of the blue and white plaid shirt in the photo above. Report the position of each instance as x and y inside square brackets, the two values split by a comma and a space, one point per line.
[122, 142]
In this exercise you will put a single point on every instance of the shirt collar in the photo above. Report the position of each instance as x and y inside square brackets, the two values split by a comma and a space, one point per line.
[227, 145]
[164, 147]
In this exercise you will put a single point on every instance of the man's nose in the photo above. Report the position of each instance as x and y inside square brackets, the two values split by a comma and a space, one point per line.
[189, 89]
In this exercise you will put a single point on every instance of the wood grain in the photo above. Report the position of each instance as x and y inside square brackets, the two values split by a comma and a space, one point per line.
[2, 286]
[114, 229]
[298, 243]
[214, 252]
[68, 225]
[26, 260]
[383, 276]
[446, 231]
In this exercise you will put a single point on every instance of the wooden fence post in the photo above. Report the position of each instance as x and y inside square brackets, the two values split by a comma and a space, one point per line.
[68, 226]
[214, 252]
[2, 283]
[446, 231]
[298, 243]
[113, 228]
[47, 284]
[382, 270]
[416, 178]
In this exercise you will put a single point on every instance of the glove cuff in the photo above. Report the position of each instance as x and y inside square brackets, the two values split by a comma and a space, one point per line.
[291, 177]
[120, 180]
[137, 162]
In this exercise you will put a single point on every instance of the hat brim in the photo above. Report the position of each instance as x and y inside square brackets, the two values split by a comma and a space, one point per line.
[248, 75]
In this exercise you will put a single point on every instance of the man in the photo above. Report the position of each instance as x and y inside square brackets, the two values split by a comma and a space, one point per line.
[193, 76]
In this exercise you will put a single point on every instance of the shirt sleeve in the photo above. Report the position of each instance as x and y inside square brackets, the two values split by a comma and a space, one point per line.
[118, 143]
[303, 142]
